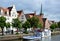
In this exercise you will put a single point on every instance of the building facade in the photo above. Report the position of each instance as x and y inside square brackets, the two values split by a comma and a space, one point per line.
[11, 13]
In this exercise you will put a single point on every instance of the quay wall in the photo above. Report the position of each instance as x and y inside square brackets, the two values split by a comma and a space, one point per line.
[12, 37]
[20, 36]
[55, 33]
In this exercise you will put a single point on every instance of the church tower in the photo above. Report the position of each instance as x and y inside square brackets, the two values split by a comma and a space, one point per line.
[41, 14]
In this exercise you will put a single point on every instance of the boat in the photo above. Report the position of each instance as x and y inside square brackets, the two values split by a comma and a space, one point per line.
[31, 37]
[35, 36]
[39, 35]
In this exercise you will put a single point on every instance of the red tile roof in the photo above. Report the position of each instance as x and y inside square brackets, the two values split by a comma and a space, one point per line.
[4, 10]
[29, 15]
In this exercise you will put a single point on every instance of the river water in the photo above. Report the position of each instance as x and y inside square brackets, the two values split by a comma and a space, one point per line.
[52, 38]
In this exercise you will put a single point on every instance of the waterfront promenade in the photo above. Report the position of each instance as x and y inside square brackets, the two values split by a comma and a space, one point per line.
[55, 32]
[11, 37]
[19, 36]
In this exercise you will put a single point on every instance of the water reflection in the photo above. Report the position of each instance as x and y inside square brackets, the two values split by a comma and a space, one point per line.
[52, 38]
[46, 39]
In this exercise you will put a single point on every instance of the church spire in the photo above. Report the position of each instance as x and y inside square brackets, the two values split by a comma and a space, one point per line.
[41, 14]
[41, 10]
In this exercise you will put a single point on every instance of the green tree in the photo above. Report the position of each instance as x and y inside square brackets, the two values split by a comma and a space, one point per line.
[2, 23]
[33, 21]
[59, 24]
[8, 25]
[53, 26]
[16, 23]
[39, 25]
[26, 25]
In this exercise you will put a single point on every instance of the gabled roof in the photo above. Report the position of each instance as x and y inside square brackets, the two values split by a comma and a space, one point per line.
[31, 14]
[10, 8]
[19, 12]
[27, 16]
[4, 10]
[44, 19]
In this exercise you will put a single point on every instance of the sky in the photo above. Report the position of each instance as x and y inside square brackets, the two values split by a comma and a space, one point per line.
[51, 8]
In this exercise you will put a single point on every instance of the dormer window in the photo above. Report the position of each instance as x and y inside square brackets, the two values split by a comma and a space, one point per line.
[22, 17]
[8, 18]
[12, 15]
[15, 15]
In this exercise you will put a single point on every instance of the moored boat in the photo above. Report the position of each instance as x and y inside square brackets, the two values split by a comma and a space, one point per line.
[31, 37]
[39, 35]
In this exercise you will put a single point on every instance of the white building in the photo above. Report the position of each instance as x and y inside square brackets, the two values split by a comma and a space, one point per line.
[21, 16]
[11, 13]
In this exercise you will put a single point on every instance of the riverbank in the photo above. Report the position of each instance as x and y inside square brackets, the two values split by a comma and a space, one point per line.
[19, 36]
[55, 33]
[12, 37]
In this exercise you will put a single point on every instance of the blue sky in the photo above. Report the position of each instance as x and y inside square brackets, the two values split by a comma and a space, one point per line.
[51, 8]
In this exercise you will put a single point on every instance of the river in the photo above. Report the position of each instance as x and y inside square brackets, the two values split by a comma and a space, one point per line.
[52, 38]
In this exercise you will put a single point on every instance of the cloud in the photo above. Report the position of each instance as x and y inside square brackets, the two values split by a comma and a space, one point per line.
[51, 8]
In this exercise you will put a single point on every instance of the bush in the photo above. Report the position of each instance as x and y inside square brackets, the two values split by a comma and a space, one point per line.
[26, 32]
[17, 33]
[53, 26]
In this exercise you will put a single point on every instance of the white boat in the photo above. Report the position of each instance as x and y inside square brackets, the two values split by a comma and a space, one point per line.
[39, 35]
[31, 37]
[46, 33]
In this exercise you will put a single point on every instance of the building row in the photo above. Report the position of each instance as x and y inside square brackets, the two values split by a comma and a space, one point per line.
[11, 13]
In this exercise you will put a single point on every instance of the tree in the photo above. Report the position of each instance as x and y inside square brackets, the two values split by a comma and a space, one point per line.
[2, 23]
[8, 25]
[59, 24]
[53, 26]
[26, 25]
[33, 21]
[39, 25]
[16, 23]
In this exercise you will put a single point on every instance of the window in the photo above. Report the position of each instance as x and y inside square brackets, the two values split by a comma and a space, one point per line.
[13, 12]
[22, 17]
[7, 18]
[21, 21]
[15, 15]
[12, 15]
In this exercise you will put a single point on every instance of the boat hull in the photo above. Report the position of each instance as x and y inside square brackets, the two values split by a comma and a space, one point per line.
[31, 37]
